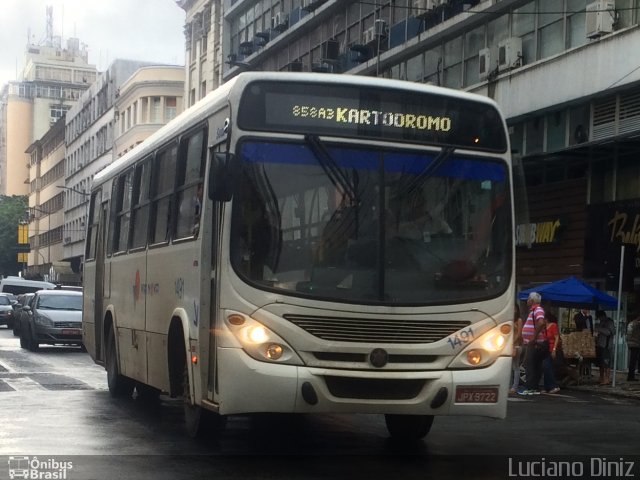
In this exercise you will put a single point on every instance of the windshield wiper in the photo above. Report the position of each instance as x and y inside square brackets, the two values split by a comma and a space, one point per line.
[330, 167]
[437, 162]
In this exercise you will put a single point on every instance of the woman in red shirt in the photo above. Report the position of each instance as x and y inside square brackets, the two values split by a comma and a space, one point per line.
[553, 336]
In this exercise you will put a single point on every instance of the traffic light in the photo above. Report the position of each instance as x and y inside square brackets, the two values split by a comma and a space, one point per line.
[23, 234]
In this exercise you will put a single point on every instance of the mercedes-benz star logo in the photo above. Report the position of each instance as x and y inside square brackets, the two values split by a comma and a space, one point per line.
[379, 357]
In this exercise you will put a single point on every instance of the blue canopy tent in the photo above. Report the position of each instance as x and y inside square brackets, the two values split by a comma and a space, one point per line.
[572, 293]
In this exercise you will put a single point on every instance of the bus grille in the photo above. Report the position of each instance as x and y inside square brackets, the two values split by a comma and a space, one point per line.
[374, 388]
[377, 330]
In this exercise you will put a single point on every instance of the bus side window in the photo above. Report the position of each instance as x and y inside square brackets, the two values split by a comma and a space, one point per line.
[120, 205]
[189, 189]
[141, 204]
[164, 173]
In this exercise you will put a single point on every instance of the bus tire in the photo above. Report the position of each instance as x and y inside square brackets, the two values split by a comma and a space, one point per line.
[199, 422]
[119, 385]
[408, 427]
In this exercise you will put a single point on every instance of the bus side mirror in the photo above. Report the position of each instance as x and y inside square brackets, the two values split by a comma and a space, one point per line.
[220, 177]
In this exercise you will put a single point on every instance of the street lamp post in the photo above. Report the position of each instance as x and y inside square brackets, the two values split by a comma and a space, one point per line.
[74, 190]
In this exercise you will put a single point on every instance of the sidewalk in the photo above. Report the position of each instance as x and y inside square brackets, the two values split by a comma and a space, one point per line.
[622, 389]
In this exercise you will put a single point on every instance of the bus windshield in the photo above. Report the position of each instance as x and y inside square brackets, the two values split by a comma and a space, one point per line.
[371, 225]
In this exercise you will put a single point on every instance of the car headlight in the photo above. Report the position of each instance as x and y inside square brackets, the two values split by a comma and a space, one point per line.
[485, 349]
[43, 321]
[260, 342]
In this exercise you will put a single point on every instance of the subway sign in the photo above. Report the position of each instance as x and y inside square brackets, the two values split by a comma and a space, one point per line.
[541, 233]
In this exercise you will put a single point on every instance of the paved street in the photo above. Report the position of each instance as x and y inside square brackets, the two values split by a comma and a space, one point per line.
[55, 403]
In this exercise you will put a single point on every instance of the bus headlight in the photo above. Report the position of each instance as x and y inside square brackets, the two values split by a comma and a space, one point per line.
[260, 342]
[484, 350]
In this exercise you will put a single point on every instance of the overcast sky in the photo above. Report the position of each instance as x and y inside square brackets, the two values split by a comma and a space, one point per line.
[149, 30]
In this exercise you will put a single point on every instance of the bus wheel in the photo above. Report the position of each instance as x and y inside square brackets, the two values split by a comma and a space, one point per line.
[119, 385]
[199, 422]
[408, 427]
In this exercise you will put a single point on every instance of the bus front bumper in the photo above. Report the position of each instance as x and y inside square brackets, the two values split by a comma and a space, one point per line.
[247, 385]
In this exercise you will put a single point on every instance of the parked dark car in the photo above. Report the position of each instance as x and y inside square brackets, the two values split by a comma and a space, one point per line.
[53, 317]
[6, 311]
[23, 300]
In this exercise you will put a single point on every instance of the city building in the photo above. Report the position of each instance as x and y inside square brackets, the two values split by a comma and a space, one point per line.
[559, 69]
[52, 80]
[203, 44]
[46, 214]
[150, 98]
[91, 127]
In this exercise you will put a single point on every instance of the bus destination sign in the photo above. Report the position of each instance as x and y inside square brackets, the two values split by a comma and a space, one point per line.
[350, 111]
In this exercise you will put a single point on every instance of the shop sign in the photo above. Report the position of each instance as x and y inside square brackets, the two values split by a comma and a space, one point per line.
[609, 226]
[541, 233]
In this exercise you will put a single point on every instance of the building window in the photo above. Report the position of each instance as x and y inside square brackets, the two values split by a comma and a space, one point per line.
[535, 135]
[453, 63]
[432, 66]
[556, 130]
[155, 110]
[551, 29]
[524, 24]
[414, 69]
[144, 106]
[473, 42]
[576, 29]
[170, 108]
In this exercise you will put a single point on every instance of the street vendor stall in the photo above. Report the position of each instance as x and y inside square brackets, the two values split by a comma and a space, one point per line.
[578, 347]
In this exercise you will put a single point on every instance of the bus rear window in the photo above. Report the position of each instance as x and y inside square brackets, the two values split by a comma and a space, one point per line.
[356, 111]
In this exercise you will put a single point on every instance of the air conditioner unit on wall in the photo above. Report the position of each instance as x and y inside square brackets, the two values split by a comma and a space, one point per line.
[509, 53]
[380, 27]
[600, 18]
[419, 7]
[368, 36]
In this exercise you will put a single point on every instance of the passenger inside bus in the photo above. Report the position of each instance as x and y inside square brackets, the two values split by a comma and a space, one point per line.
[418, 221]
[189, 212]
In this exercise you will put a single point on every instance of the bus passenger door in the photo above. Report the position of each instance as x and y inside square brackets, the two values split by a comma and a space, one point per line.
[99, 294]
[214, 215]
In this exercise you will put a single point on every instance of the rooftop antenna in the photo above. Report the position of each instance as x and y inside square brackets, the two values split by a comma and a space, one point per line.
[49, 39]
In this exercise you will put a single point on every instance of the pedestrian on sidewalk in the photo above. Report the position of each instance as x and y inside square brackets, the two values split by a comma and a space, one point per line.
[535, 342]
[604, 332]
[633, 343]
[555, 354]
[516, 361]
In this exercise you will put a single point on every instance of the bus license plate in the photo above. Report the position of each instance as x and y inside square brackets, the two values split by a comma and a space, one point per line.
[71, 331]
[477, 395]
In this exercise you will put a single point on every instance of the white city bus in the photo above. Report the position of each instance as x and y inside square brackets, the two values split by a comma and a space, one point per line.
[352, 252]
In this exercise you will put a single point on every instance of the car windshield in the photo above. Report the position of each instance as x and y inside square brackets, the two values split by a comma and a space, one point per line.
[60, 302]
[371, 225]
[5, 301]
